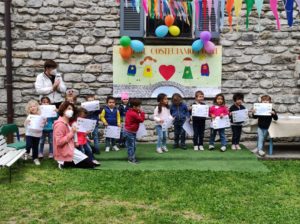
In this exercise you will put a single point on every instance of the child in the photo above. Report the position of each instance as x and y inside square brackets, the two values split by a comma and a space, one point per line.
[180, 113]
[71, 96]
[47, 131]
[218, 110]
[110, 115]
[198, 123]
[264, 123]
[82, 140]
[134, 117]
[236, 128]
[32, 135]
[94, 115]
[123, 108]
[161, 114]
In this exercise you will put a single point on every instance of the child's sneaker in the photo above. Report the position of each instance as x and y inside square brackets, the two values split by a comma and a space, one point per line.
[36, 162]
[238, 147]
[107, 149]
[116, 148]
[41, 155]
[25, 157]
[211, 147]
[196, 148]
[133, 161]
[96, 162]
[201, 148]
[254, 150]
[261, 153]
[159, 150]
[164, 149]
[223, 148]
[50, 156]
[233, 147]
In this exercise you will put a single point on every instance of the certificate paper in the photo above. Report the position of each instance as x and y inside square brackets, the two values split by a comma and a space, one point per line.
[91, 105]
[188, 128]
[48, 111]
[219, 123]
[142, 131]
[167, 123]
[263, 109]
[240, 115]
[200, 110]
[37, 122]
[112, 132]
[85, 125]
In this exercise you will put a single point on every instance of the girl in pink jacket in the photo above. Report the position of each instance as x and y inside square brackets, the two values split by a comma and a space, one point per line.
[219, 109]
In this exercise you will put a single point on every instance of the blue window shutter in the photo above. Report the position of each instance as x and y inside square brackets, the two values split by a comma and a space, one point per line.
[214, 21]
[131, 23]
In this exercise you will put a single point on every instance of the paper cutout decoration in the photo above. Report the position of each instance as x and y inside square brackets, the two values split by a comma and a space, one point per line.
[289, 11]
[222, 14]
[112, 132]
[229, 6]
[273, 6]
[48, 111]
[262, 109]
[167, 71]
[240, 115]
[85, 125]
[187, 72]
[205, 70]
[237, 10]
[249, 5]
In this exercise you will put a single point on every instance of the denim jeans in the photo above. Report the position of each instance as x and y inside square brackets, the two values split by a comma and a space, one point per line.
[32, 143]
[261, 135]
[213, 133]
[96, 139]
[236, 134]
[43, 140]
[110, 142]
[130, 141]
[161, 137]
[86, 149]
[179, 133]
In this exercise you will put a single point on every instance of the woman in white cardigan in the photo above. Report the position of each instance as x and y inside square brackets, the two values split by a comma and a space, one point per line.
[50, 83]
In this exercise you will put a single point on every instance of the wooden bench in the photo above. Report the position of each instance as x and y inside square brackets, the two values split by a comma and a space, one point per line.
[8, 155]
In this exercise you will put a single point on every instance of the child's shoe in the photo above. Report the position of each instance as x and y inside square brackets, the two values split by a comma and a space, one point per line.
[254, 150]
[261, 153]
[41, 155]
[238, 147]
[50, 156]
[233, 147]
[223, 148]
[211, 147]
[107, 149]
[116, 148]
[97, 163]
[196, 148]
[164, 149]
[26, 156]
[133, 161]
[201, 148]
[36, 162]
[159, 150]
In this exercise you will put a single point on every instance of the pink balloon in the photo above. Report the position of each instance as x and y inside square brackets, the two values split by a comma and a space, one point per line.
[205, 36]
[209, 47]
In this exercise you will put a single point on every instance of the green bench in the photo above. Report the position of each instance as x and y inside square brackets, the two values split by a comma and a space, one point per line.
[11, 129]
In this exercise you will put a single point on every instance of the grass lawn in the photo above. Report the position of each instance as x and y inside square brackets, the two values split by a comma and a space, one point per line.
[230, 187]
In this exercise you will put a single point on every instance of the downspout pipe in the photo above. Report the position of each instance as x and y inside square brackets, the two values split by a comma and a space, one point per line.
[9, 77]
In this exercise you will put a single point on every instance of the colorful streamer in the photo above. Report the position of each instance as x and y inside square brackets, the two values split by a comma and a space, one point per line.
[273, 6]
[229, 6]
[216, 6]
[204, 5]
[249, 4]
[222, 14]
[289, 11]
[237, 10]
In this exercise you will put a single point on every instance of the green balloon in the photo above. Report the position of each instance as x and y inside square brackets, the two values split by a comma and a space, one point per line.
[125, 41]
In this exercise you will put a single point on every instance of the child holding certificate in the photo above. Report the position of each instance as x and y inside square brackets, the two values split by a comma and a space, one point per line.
[123, 108]
[33, 132]
[219, 109]
[236, 127]
[110, 116]
[180, 113]
[264, 123]
[198, 123]
[162, 118]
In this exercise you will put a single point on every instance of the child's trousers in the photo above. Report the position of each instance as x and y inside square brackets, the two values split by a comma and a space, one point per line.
[261, 135]
[213, 133]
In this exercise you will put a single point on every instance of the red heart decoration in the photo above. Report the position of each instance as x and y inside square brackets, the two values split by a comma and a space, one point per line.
[167, 71]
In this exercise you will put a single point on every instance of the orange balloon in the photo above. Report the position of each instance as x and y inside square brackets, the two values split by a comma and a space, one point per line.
[169, 20]
[126, 52]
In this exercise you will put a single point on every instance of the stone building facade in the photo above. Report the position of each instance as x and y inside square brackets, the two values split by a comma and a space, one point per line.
[80, 34]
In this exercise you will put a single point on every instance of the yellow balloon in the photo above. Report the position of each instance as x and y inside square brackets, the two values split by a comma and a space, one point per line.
[174, 31]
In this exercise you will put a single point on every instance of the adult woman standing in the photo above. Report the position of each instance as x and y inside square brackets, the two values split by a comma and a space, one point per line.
[65, 152]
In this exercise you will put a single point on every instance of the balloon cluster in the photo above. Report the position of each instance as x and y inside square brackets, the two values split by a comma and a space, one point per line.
[162, 30]
[205, 42]
[129, 46]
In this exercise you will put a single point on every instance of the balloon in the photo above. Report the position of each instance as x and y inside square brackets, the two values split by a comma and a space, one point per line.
[174, 31]
[169, 20]
[161, 31]
[125, 52]
[137, 46]
[125, 41]
[197, 45]
[209, 47]
[205, 36]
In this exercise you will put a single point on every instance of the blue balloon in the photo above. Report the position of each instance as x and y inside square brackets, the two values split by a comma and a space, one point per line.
[197, 45]
[161, 31]
[137, 46]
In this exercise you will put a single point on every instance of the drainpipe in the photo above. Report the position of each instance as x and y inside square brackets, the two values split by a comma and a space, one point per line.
[9, 78]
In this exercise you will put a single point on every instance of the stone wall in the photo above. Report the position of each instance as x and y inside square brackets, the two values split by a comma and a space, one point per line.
[80, 34]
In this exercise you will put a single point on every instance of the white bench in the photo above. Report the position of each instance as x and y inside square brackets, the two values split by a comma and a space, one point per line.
[8, 156]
